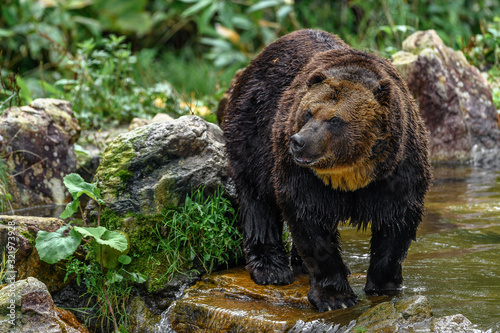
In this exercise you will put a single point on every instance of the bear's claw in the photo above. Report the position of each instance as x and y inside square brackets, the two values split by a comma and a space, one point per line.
[325, 300]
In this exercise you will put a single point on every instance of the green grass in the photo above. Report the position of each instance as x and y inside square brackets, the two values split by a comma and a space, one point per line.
[202, 232]
[5, 197]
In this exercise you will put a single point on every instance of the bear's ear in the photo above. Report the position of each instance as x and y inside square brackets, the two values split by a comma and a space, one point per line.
[314, 78]
[382, 91]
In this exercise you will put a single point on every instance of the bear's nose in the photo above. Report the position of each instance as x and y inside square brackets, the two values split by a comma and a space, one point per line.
[297, 143]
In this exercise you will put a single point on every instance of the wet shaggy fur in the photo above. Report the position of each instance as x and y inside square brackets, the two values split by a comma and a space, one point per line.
[318, 134]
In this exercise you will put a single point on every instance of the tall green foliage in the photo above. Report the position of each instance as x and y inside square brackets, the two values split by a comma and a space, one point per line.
[201, 232]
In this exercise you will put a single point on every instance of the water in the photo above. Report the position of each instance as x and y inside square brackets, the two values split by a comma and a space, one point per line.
[455, 262]
[40, 211]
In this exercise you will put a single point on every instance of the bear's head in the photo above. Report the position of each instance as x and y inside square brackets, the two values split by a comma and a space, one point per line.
[341, 126]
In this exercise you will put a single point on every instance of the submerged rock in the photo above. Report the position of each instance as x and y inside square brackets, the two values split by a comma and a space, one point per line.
[231, 301]
[38, 143]
[26, 306]
[157, 165]
[455, 100]
[24, 230]
[141, 318]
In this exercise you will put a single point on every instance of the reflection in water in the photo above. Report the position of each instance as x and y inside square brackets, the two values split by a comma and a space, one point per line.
[455, 262]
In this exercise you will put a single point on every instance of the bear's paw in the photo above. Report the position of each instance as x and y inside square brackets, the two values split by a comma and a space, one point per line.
[327, 299]
[265, 270]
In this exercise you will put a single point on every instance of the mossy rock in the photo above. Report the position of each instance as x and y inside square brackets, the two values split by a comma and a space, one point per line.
[157, 165]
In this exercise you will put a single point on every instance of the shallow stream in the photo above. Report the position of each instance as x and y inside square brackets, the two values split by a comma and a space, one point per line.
[455, 262]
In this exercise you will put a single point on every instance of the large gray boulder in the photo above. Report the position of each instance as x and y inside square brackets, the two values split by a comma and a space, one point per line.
[26, 306]
[454, 98]
[22, 232]
[157, 165]
[38, 143]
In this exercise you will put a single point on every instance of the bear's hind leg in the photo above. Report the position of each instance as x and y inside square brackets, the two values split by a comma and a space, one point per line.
[267, 260]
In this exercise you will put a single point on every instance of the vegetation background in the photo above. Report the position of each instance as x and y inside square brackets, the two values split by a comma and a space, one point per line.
[117, 59]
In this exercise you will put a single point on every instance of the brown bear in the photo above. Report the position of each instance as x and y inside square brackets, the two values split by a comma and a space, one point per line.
[318, 134]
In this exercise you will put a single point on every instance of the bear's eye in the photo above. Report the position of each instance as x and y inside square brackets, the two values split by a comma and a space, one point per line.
[336, 122]
[308, 115]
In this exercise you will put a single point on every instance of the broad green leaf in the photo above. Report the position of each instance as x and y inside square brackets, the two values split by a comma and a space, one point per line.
[95, 232]
[77, 186]
[53, 246]
[116, 240]
[124, 259]
[110, 256]
[70, 209]
[138, 277]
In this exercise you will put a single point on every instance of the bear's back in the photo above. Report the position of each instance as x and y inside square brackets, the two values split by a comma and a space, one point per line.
[259, 88]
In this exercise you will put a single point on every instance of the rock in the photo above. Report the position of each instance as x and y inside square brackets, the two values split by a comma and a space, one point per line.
[27, 262]
[141, 318]
[161, 117]
[411, 315]
[158, 118]
[26, 306]
[157, 165]
[391, 316]
[138, 122]
[231, 301]
[453, 324]
[38, 142]
[455, 100]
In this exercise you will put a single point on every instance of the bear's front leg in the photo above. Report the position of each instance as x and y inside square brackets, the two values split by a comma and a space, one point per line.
[389, 246]
[266, 258]
[320, 251]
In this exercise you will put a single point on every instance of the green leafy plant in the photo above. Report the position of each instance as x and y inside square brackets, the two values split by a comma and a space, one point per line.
[235, 31]
[105, 86]
[201, 232]
[108, 248]
[483, 49]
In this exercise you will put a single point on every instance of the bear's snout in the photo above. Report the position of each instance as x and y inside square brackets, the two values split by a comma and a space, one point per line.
[297, 143]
